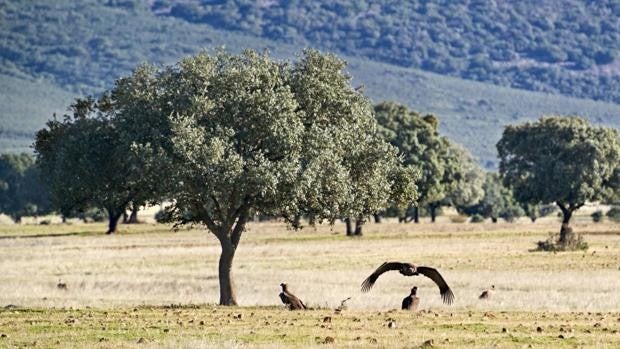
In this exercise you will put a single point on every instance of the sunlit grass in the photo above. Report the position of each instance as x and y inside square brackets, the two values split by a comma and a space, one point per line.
[147, 266]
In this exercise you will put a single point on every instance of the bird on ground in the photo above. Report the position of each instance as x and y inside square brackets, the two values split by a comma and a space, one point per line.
[411, 301]
[487, 293]
[293, 302]
[61, 285]
[409, 269]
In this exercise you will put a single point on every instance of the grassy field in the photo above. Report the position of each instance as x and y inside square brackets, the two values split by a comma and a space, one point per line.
[148, 286]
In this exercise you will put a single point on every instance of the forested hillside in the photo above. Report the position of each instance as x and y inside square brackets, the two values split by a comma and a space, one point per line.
[50, 51]
[561, 46]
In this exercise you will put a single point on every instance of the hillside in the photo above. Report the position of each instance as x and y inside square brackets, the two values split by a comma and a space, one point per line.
[48, 49]
[25, 106]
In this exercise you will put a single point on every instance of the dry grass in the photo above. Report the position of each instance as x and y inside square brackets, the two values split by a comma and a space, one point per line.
[149, 265]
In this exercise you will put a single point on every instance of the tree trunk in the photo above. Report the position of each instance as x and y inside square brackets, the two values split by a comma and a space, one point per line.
[112, 221]
[377, 218]
[494, 219]
[533, 219]
[358, 226]
[565, 230]
[64, 219]
[125, 217]
[433, 212]
[227, 285]
[416, 214]
[133, 218]
[350, 231]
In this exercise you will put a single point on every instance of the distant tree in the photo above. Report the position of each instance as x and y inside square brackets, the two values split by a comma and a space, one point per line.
[497, 201]
[463, 180]
[535, 211]
[253, 135]
[85, 161]
[468, 190]
[419, 143]
[21, 191]
[564, 160]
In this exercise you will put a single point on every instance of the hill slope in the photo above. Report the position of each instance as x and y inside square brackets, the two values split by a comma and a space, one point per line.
[570, 47]
[82, 47]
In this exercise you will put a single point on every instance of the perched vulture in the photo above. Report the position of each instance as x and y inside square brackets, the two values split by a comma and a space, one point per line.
[293, 302]
[411, 301]
[487, 293]
[409, 269]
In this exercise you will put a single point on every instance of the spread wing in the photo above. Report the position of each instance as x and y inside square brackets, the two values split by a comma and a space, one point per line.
[370, 281]
[446, 293]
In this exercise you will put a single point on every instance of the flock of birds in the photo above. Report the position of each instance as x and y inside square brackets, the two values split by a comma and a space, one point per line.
[410, 302]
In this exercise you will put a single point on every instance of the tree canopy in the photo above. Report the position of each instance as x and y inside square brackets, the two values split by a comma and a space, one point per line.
[22, 192]
[565, 160]
[250, 135]
[497, 202]
[87, 163]
[448, 173]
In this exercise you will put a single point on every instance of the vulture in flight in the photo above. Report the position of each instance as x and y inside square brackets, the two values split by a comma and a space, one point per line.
[409, 269]
[411, 301]
[293, 302]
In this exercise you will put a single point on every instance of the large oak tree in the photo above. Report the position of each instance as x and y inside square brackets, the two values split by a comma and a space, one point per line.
[565, 160]
[252, 135]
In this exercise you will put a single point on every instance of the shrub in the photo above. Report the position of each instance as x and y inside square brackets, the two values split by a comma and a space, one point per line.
[477, 219]
[552, 244]
[614, 214]
[597, 216]
[458, 219]
[162, 216]
[93, 215]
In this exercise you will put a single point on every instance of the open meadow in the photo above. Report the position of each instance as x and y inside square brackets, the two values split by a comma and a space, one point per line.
[150, 286]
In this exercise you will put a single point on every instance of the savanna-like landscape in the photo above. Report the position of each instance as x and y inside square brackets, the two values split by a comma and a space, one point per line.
[149, 286]
[275, 174]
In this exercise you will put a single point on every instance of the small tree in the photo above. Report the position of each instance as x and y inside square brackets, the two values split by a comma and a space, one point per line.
[564, 160]
[83, 159]
[252, 135]
[21, 191]
[497, 201]
[463, 182]
[417, 139]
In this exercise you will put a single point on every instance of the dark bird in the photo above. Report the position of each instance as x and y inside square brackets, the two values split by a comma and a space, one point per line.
[61, 285]
[411, 301]
[486, 293]
[409, 269]
[293, 302]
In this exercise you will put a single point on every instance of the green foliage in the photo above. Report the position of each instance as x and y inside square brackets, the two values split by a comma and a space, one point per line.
[597, 216]
[497, 201]
[614, 214]
[42, 58]
[535, 211]
[419, 143]
[477, 218]
[283, 139]
[245, 134]
[560, 159]
[509, 43]
[22, 192]
[449, 175]
[564, 160]
[86, 162]
[93, 215]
